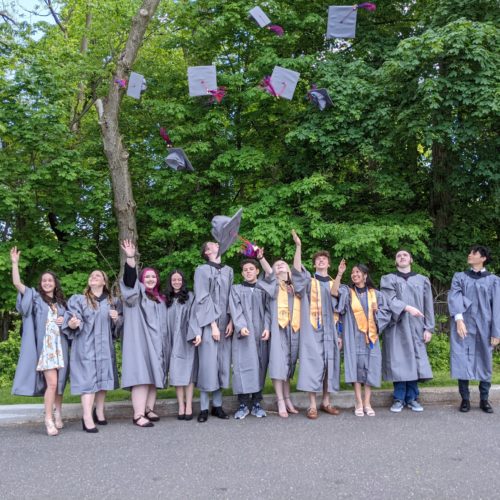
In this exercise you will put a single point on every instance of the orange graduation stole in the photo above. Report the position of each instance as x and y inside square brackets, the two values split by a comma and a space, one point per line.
[365, 324]
[284, 311]
[315, 308]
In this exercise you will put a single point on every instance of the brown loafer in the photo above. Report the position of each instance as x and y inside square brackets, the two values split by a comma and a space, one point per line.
[312, 413]
[331, 410]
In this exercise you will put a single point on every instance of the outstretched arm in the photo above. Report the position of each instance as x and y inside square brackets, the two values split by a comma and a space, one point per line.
[297, 259]
[263, 262]
[16, 278]
[338, 278]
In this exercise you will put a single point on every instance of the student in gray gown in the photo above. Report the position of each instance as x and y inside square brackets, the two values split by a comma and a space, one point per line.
[93, 320]
[363, 313]
[474, 303]
[210, 319]
[250, 310]
[43, 360]
[182, 359]
[404, 353]
[319, 343]
[285, 331]
[145, 343]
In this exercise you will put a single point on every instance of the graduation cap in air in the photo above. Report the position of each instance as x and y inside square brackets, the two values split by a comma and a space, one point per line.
[260, 17]
[136, 85]
[342, 19]
[202, 81]
[281, 83]
[176, 158]
[320, 98]
[225, 230]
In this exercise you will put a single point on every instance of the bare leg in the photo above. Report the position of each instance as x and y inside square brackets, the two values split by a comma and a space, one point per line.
[139, 398]
[87, 405]
[99, 404]
[367, 401]
[49, 400]
[357, 395]
[278, 389]
[326, 394]
[312, 400]
[286, 395]
[179, 391]
[189, 399]
[151, 401]
[58, 411]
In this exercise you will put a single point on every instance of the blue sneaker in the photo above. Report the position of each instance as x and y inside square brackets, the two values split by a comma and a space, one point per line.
[258, 411]
[397, 406]
[414, 405]
[242, 412]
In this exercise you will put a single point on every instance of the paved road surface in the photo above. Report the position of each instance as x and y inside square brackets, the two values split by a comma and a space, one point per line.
[438, 454]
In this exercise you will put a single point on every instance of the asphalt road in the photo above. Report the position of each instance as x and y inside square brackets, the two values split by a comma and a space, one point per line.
[440, 453]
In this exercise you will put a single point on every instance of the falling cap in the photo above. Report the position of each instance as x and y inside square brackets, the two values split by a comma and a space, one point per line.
[283, 82]
[136, 85]
[177, 160]
[201, 80]
[320, 98]
[341, 21]
[259, 16]
[225, 230]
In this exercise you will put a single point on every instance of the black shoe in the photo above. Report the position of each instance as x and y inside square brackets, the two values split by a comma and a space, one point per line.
[203, 416]
[91, 430]
[147, 424]
[182, 416]
[96, 419]
[188, 416]
[485, 406]
[465, 406]
[155, 418]
[218, 412]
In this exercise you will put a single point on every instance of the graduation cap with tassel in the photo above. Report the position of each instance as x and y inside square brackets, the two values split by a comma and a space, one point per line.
[342, 19]
[320, 98]
[176, 158]
[281, 83]
[202, 81]
[260, 17]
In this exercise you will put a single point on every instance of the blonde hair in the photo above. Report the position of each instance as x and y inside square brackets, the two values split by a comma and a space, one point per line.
[91, 300]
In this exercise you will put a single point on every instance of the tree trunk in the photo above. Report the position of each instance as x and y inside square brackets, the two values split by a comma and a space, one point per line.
[116, 152]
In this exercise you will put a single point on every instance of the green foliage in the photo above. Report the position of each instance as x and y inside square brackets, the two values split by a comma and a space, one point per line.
[9, 354]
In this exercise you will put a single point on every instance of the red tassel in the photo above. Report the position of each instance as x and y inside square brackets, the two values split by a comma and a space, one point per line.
[165, 137]
[367, 6]
[276, 29]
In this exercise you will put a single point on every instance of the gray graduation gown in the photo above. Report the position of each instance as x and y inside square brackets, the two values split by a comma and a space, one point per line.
[250, 354]
[404, 354]
[182, 358]
[93, 358]
[145, 343]
[34, 311]
[318, 348]
[361, 363]
[284, 347]
[478, 300]
[212, 288]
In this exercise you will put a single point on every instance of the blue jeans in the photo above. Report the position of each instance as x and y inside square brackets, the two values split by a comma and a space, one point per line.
[406, 391]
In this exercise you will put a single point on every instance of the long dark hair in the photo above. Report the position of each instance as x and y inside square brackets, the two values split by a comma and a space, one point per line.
[364, 269]
[169, 292]
[58, 293]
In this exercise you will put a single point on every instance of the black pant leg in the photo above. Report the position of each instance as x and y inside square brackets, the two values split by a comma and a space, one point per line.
[243, 399]
[463, 389]
[256, 397]
[484, 390]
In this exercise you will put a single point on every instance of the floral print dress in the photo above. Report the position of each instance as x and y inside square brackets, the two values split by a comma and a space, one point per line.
[51, 356]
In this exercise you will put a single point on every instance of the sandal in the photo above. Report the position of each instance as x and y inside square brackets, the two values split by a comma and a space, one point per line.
[289, 406]
[58, 421]
[331, 410]
[151, 415]
[312, 413]
[369, 411]
[147, 424]
[359, 412]
[51, 428]
[282, 414]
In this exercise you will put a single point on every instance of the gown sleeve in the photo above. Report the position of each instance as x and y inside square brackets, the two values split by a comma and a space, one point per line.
[343, 300]
[300, 281]
[74, 308]
[388, 287]
[458, 303]
[383, 316]
[495, 309]
[24, 303]
[205, 310]
[429, 319]
[237, 314]
[130, 286]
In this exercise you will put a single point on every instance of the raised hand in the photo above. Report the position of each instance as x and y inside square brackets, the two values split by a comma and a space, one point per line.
[15, 255]
[342, 267]
[129, 248]
[296, 239]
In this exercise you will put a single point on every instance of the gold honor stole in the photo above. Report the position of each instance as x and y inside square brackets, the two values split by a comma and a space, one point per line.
[284, 311]
[365, 324]
[315, 308]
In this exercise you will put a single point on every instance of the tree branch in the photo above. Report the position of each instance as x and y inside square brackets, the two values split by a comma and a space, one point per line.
[48, 3]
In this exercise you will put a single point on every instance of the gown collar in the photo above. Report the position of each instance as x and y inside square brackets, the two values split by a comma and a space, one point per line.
[214, 264]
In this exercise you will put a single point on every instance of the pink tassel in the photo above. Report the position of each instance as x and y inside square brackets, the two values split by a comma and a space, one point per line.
[248, 249]
[367, 6]
[165, 137]
[122, 83]
[218, 94]
[276, 29]
[268, 87]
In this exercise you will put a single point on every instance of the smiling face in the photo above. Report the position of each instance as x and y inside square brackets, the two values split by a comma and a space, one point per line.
[149, 279]
[176, 282]
[358, 277]
[321, 263]
[249, 272]
[47, 283]
[475, 259]
[403, 259]
[281, 269]
[97, 279]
